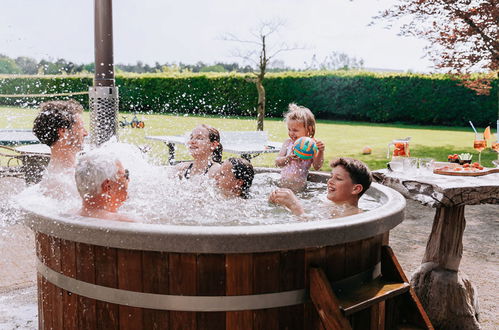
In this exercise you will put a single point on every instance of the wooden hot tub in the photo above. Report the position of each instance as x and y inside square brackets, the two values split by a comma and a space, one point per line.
[103, 274]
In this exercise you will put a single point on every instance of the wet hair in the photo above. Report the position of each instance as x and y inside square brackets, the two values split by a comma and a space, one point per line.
[358, 171]
[303, 115]
[53, 116]
[92, 169]
[214, 136]
[243, 170]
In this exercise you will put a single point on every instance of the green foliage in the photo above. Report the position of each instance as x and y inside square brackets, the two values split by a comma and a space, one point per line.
[213, 68]
[19, 85]
[8, 66]
[357, 96]
[27, 65]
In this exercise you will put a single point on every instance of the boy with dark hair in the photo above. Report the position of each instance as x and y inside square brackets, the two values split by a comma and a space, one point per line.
[60, 126]
[350, 178]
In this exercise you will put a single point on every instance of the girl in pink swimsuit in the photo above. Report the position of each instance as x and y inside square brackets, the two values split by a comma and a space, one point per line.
[300, 122]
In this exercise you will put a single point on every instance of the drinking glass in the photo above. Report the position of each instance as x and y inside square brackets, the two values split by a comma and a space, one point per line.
[426, 165]
[479, 144]
[410, 165]
[396, 165]
[495, 147]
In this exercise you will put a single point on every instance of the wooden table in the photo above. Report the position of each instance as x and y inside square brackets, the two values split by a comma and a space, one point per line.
[244, 146]
[448, 296]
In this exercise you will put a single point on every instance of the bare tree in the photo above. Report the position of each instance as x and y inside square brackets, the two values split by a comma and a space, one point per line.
[260, 56]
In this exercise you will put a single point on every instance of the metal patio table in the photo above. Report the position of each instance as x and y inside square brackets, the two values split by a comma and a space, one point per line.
[246, 150]
[17, 136]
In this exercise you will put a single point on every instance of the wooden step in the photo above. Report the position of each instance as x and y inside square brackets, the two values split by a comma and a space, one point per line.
[403, 309]
[369, 294]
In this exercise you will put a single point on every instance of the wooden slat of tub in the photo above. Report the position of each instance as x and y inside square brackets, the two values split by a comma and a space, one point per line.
[130, 278]
[392, 312]
[376, 317]
[292, 270]
[335, 262]
[377, 310]
[182, 281]
[361, 320]
[211, 280]
[314, 257]
[369, 256]
[85, 271]
[43, 248]
[106, 274]
[353, 258]
[239, 277]
[39, 282]
[356, 260]
[69, 300]
[266, 279]
[155, 280]
[54, 263]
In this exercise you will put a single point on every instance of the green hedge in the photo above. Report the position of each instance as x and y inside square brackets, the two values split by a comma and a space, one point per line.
[405, 98]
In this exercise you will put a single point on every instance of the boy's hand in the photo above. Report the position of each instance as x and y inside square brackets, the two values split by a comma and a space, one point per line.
[320, 145]
[285, 197]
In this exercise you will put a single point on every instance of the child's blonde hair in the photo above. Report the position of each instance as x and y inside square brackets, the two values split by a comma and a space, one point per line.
[303, 115]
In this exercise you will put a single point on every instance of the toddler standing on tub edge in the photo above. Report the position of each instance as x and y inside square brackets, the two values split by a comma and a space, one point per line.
[294, 172]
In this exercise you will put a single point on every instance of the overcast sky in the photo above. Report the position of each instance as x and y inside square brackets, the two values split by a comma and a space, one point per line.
[189, 31]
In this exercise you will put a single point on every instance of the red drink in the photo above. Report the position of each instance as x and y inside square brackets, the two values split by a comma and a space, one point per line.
[479, 145]
[495, 146]
[401, 149]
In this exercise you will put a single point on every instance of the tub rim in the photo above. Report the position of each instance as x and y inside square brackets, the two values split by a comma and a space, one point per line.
[225, 239]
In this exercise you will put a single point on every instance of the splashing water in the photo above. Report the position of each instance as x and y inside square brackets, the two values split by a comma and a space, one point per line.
[157, 195]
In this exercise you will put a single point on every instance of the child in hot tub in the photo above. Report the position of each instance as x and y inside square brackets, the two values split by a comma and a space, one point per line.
[301, 123]
[234, 177]
[350, 178]
[206, 150]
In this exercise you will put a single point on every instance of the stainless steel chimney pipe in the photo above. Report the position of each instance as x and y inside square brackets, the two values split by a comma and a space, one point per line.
[103, 96]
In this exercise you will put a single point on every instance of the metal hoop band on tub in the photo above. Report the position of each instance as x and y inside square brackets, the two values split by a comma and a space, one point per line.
[172, 302]
[192, 303]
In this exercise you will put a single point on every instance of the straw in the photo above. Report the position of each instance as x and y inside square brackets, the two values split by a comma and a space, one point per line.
[473, 127]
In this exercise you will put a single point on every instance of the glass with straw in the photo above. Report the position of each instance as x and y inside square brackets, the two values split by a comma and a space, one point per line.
[479, 143]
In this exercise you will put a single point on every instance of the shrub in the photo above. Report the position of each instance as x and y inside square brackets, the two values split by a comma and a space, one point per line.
[360, 96]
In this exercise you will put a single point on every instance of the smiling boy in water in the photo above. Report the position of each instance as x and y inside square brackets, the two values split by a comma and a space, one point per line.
[350, 178]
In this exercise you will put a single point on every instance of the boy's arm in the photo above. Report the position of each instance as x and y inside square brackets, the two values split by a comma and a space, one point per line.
[319, 157]
[285, 197]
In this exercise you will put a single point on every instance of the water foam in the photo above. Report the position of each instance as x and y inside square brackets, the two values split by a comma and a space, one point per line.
[157, 195]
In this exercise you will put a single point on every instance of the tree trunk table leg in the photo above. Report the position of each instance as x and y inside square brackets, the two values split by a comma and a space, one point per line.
[448, 297]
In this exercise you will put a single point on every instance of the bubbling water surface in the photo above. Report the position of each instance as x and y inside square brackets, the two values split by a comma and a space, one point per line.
[157, 195]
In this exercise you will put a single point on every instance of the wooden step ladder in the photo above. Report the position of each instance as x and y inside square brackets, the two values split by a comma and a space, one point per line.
[391, 293]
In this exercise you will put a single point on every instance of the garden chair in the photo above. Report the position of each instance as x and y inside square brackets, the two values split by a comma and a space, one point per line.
[10, 163]
[25, 165]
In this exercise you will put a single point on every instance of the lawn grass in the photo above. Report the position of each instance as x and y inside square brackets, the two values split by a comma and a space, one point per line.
[341, 138]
